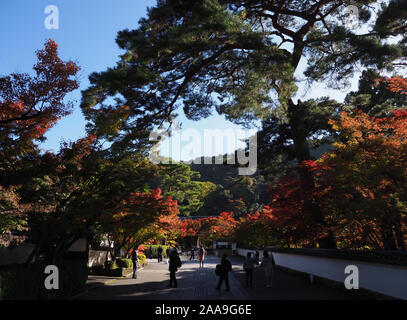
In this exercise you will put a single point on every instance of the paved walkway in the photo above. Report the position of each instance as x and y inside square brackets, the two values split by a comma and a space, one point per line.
[199, 284]
[286, 286]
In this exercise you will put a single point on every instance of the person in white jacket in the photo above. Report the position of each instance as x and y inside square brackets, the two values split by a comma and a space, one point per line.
[268, 264]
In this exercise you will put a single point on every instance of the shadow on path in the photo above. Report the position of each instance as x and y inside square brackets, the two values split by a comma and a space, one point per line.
[196, 283]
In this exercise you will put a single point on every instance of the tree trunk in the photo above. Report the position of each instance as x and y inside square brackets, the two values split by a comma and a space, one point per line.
[298, 133]
[389, 242]
[35, 253]
[401, 245]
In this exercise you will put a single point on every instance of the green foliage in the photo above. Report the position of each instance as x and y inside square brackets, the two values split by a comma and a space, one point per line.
[238, 194]
[231, 56]
[374, 97]
[177, 181]
[11, 215]
[141, 258]
[155, 254]
[73, 192]
[111, 265]
[124, 263]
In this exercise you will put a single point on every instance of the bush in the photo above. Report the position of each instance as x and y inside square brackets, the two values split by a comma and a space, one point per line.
[97, 270]
[124, 263]
[141, 258]
[111, 265]
[155, 247]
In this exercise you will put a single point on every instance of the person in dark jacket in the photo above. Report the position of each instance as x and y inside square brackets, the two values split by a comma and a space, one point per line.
[134, 258]
[257, 258]
[225, 268]
[151, 251]
[160, 254]
[174, 264]
[192, 254]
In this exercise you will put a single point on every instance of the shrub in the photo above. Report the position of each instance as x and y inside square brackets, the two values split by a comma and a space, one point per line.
[141, 258]
[155, 247]
[111, 265]
[97, 270]
[124, 263]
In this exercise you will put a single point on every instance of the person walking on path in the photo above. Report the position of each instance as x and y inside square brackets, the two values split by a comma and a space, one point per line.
[192, 254]
[248, 266]
[257, 258]
[160, 254]
[168, 254]
[174, 264]
[201, 256]
[268, 264]
[134, 259]
[223, 270]
[151, 251]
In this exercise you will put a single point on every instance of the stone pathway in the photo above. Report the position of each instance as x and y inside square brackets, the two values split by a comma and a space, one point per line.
[196, 283]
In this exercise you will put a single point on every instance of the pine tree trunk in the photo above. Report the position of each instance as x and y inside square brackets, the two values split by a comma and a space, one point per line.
[298, 134]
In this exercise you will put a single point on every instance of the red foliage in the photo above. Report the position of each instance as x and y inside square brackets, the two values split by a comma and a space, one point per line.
[192, 227]
[397, 84]
[29, 106]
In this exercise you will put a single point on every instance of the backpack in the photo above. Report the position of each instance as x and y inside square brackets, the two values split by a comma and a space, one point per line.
[218, 269]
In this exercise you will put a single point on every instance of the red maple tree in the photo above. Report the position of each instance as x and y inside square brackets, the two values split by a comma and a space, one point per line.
[30, 105]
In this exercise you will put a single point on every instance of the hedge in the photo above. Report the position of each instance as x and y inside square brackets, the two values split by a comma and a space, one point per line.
[111, 265]
[141, 258]
[155, 247]
[124, 263]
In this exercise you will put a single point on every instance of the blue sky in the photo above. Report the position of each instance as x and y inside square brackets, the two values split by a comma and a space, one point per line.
[86, 34]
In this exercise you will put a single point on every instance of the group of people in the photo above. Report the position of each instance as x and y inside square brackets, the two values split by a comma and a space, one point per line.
[173, 259]
[160, 251]
[222, 269]
[267, 263]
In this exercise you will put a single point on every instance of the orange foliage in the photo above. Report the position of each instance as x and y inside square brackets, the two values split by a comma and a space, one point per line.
[397, 84]
[29, 106]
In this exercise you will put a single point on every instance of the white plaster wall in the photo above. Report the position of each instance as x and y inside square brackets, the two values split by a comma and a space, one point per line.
[97, 257]
[387, 279]
[383, 278]
[243, 252]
